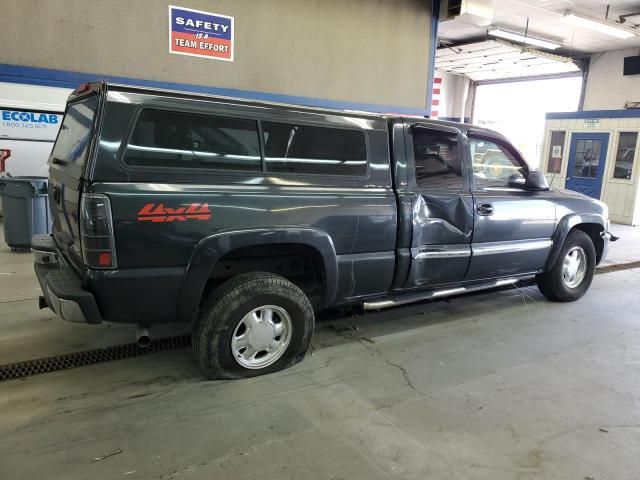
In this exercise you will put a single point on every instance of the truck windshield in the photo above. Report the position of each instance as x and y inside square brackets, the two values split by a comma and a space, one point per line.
[75, 133]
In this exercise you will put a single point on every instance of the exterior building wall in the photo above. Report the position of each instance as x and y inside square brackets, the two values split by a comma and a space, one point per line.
[620, 195]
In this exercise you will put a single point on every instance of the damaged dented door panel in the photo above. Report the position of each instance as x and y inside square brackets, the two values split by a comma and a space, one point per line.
[441, 205]
[512, 226]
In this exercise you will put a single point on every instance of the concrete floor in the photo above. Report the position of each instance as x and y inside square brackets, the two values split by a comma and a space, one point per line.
[493, 386]
[627, 248]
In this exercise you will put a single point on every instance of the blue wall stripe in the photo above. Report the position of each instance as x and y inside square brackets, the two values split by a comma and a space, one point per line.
[433, 48]
[68, 79]
[631, 113]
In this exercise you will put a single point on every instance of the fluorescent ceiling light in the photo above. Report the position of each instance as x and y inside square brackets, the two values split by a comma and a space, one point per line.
[597, 26]
[519, 37]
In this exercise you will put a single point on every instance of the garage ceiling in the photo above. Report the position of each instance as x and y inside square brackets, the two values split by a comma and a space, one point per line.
[545, 21]
[493, 59]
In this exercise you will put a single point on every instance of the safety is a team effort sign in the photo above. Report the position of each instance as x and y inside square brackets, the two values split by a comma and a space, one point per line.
[200, 34]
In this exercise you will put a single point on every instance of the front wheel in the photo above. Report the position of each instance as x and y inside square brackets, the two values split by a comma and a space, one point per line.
[570, 276]
[253, 324]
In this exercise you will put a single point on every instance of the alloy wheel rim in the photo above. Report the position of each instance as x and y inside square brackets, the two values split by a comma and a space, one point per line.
[574, 267]
[261, 337]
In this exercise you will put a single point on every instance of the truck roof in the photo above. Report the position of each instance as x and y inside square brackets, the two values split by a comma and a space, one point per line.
[109, 86]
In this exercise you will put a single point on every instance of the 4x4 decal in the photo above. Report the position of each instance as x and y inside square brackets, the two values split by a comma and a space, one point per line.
[158, 213]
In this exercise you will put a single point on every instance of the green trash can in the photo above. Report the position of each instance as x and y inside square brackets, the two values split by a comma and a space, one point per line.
[25, 206]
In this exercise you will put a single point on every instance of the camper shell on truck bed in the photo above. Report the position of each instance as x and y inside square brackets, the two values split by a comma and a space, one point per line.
[174, 207]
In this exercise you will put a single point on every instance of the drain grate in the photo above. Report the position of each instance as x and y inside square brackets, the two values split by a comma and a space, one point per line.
[89, 357]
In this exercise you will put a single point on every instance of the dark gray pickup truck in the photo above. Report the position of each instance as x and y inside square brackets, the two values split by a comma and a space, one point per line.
[243, 218]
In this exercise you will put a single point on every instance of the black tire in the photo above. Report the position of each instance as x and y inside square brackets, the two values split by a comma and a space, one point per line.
[551, 282]
[228, 304]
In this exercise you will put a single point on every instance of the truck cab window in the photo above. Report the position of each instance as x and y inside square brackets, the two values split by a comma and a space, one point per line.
[438, 163]
[493, 165]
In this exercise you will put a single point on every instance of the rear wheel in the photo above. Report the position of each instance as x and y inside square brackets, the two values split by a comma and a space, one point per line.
[253, 324]
[570, 276]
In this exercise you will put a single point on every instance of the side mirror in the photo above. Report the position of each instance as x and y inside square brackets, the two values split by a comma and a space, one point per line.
[536, 181]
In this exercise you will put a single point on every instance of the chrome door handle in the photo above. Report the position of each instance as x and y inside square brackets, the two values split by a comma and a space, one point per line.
[484, 209]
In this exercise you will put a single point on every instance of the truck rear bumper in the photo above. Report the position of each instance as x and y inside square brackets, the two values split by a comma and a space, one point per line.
[62, 287]
[134, 295]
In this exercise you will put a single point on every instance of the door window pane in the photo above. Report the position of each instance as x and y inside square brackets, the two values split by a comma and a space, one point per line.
[163, 138]
[587, 158]
[556, 152]
[437, 159]
[625, 154]
[494, 165]
[295, 148]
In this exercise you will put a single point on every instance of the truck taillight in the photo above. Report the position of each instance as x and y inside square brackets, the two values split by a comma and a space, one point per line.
[96, 231]
[83, 87]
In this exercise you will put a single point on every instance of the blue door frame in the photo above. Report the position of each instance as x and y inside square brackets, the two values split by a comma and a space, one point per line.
[587, 178]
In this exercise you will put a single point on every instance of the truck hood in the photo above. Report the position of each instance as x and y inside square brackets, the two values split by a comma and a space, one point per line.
[568, 201]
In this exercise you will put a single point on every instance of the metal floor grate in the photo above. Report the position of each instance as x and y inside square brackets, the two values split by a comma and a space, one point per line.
[90, 357]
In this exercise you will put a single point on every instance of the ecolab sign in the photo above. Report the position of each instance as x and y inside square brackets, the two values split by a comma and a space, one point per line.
[29, 117]
[200, 34]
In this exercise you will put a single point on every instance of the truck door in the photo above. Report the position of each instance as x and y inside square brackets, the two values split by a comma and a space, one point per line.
[512, 227]
[442, 208]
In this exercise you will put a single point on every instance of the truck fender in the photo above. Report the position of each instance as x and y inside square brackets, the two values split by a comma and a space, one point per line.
[564, 227]
[209, 250]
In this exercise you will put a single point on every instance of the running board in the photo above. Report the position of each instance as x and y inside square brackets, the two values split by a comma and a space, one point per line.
[445, 292]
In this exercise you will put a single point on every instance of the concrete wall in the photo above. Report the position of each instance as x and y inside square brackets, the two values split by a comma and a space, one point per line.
[607, 88]
[366, 51]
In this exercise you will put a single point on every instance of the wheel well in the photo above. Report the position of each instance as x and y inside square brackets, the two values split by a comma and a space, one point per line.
[594, 230]
[298, 263]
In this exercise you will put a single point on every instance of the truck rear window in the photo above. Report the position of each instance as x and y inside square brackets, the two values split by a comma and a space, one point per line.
[189, 140]
[75, 132]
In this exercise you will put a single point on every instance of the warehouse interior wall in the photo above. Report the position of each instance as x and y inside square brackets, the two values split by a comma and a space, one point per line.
[606, 87]
[358, 52]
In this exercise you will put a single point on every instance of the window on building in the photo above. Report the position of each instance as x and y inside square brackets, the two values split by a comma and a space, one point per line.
[587, 158]
[437, 159]
[163, 138]
[625, 154]
[293, 148]
[556, 152]
[494, 165]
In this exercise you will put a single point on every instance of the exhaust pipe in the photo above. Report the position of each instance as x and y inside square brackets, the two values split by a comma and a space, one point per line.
[142, 336]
